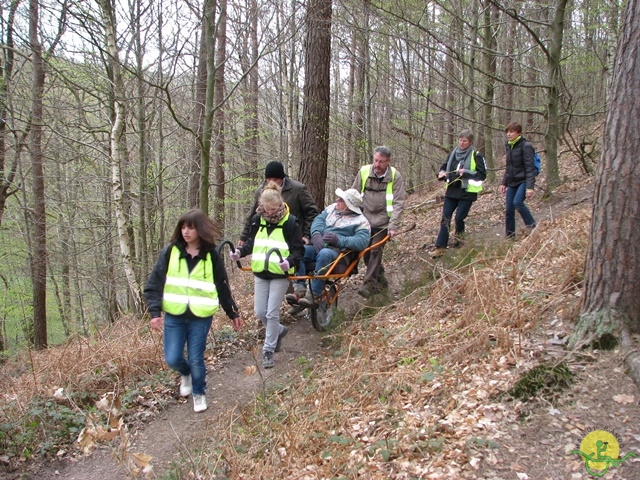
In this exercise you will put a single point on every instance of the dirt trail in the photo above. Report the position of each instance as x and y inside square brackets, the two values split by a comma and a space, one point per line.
[167, 437]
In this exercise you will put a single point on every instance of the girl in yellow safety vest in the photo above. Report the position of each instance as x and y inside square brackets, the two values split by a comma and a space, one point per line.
[273, 230]
[188, 283]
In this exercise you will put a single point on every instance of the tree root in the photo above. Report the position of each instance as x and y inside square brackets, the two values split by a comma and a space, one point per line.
[593, 327]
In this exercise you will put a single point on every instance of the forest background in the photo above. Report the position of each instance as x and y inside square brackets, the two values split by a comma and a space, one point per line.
[118, 116]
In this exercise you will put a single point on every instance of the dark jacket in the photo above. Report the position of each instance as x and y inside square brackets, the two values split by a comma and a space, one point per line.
[292, 235]
[455, 189]
[154, 287]
[301, 204]
[520, 167]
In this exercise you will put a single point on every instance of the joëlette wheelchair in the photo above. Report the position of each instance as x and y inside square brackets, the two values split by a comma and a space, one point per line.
[334, 276]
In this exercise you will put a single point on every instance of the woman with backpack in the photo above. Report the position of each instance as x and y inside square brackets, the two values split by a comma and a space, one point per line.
[519, 179]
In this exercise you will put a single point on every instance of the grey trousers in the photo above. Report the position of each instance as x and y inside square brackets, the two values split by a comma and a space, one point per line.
[267, 299]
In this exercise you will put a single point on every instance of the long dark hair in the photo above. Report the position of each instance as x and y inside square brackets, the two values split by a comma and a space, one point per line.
[195, 218]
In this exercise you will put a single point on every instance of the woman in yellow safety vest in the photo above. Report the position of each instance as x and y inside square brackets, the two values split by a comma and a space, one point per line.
[188, 283]
[273, 230]
[464, 171]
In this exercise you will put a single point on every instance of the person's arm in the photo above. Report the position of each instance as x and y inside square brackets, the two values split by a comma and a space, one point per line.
[357, 182]
[398, 204]
[358, 241]
[442, 173]
[308, 212]
[154, 288]
[224, 291]
[247, 246]
[529, 167]
[293, 237]
[246, 230]
[319, 223]
[481, 168]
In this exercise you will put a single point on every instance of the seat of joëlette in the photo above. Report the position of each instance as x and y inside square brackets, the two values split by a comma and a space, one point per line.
[344, 261]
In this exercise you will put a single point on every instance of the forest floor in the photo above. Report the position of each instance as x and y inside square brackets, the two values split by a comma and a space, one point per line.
[603, 399]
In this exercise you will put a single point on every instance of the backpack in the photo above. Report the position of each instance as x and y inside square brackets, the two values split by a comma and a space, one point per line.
[537, 161]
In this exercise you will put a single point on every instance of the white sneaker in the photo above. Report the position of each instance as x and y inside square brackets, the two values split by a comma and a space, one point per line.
[185, 386]
[199, 403]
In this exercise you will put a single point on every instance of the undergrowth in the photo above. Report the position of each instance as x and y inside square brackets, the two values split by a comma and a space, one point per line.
[404, 390]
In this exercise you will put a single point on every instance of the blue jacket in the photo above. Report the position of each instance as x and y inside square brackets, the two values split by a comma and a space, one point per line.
[353, 230]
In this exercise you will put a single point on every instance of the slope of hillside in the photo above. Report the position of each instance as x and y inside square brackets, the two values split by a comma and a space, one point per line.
[412, 384]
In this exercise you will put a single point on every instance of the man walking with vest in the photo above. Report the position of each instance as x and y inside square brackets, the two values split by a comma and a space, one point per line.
[464, 171]
[383, 192]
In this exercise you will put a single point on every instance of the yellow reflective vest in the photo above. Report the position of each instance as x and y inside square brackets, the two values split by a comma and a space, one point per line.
[194, 289]
[265, 241]
[469, 184]
[364, 174]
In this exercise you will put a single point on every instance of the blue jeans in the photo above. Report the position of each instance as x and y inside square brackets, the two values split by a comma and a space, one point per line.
[515, 198]
[179, 331]
[267, 298]
[461, 207]
[323, 258]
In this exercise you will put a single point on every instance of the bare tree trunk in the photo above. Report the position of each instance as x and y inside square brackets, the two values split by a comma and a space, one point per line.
[486, 132]
[315, 114]
[253, 133]
[611, 303]
[553, 118]
[6, 72]
[158, 239]
[39, 254]
[143, 168]
[200, 99]
[117, 152]
[219, 119]
[209, 20]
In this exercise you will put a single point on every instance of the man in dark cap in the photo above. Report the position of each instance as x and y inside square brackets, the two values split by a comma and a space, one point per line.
[301, 204]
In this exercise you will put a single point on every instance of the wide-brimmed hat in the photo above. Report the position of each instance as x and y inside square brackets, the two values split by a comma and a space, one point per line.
[352, 198]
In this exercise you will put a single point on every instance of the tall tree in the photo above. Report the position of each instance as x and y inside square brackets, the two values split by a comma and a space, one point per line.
[7, 176]
[200, 98]
[611, 302]
[553, 85]
[315, 113]
[209, 20]
[117, 148]
[39, 254]
[219, 116]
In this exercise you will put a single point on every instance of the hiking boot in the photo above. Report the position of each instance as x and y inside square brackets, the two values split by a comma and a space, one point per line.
[185, 386]
[527, 230]
[366, 290]
[438, 252]
[199, 403]
[283, 334]
[308, 300]
[267, 360]
[294, 298]
[382, 280]
[458, 242]
[294, 310]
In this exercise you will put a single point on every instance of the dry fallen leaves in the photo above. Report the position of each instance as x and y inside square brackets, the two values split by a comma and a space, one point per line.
[624, 398]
